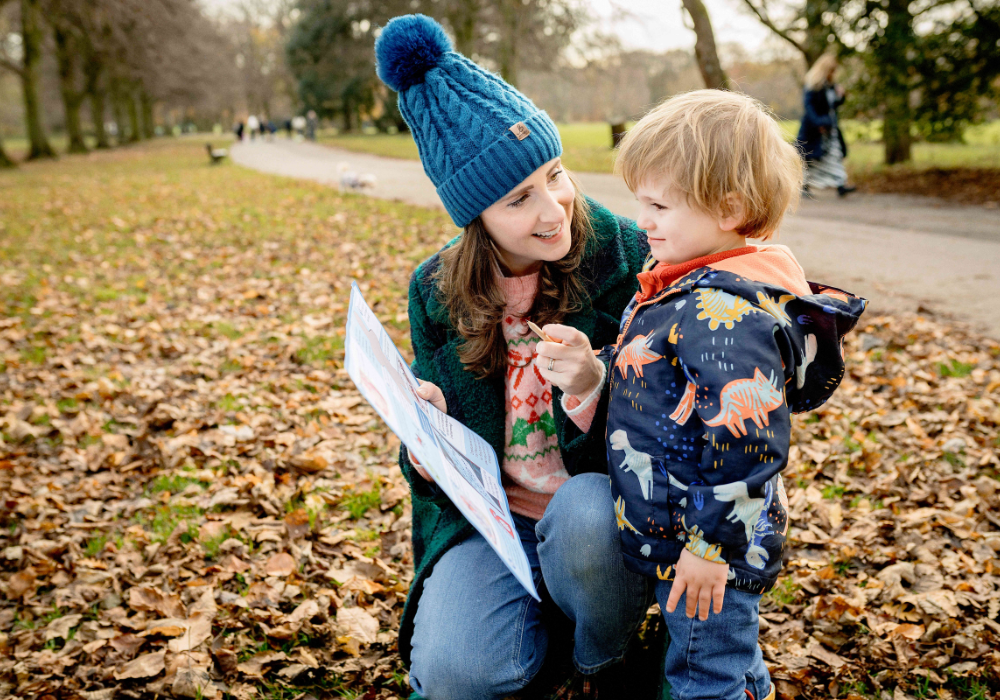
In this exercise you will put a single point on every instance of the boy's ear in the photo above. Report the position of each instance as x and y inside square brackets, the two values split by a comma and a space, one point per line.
[731, 213]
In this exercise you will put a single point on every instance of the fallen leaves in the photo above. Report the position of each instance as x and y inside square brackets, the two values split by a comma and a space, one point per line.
[197, 501]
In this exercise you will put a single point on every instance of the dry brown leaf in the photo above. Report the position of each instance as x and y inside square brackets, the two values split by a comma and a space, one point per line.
[280, 564]
[145, 666]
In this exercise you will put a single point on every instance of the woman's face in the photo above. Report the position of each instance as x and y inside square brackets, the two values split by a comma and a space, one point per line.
[531, 223]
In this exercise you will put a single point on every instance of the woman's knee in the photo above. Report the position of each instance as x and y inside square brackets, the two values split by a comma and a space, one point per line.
[443, 672]
[579, 525]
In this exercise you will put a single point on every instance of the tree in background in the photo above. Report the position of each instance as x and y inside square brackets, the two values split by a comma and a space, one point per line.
[927, 67]
[258, 32]
[704, 47]
[330, 48]
[26, 68]
[136, 53]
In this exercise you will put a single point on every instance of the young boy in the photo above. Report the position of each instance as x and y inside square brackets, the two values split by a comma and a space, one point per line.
[722, 342]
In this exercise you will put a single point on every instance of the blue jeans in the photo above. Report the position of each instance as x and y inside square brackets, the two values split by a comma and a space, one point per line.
[719, 658]
[479, 635]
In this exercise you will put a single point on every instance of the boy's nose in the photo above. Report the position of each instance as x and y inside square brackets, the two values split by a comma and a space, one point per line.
[644, 223]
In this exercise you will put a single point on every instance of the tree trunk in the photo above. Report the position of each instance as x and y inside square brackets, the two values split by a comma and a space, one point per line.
[462, 18]
[93, 69]
[149, 129]
[617, 134]
[511, 14]
[704, 47]
[134, 135]
[72, 98]
[118, 111]
[97, 110]
[889, 54]
[5, 160]
[31, 44]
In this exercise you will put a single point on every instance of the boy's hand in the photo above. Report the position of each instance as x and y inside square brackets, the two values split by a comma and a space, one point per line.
[703, 580]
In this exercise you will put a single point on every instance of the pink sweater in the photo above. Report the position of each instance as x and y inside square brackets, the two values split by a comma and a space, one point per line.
[532, 464]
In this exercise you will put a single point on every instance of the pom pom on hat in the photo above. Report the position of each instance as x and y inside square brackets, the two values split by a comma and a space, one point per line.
[407, 48]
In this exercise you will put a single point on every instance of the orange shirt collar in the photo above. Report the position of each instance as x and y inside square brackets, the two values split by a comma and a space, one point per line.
[663, 275]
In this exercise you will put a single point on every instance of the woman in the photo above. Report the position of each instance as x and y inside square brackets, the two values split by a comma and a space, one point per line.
[532, 247]
[820, 138]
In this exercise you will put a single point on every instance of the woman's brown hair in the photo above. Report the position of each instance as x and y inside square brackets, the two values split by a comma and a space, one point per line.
[469, 285]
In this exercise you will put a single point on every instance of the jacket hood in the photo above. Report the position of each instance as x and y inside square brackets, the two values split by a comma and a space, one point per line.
[812, 318]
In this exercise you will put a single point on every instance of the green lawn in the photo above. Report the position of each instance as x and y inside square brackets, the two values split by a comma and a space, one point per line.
[587, 146]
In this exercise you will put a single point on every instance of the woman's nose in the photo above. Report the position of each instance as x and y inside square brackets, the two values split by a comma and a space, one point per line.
[553, 211]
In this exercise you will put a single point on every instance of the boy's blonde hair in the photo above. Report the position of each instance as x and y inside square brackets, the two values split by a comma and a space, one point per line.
[713, 143]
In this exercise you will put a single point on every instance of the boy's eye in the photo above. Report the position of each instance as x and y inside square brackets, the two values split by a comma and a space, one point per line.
[659, 207]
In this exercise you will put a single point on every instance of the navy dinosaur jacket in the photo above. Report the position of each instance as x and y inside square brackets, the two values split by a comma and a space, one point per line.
[705, 374]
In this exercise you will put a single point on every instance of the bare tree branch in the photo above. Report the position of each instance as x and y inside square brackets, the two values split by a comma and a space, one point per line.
[783, 33]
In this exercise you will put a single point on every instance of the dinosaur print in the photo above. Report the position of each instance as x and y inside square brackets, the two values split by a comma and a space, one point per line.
[697, 545]
[800, 371]
[748, 398]
[639, 463]
[776, 308]
[636, 355]
[783, 500]
[757, 556]
[620, 516]
[686, 406]
[745, 509]
[721, 308]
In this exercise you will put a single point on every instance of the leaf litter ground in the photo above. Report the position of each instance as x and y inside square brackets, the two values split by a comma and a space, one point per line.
[196, 502]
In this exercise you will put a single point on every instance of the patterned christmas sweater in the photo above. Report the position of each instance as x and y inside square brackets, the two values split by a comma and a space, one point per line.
[532, 465]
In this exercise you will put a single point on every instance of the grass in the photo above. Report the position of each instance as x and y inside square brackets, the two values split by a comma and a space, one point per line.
[955, 369]
[587, 146]
[833, 492]
[95, 545]
[173, 484]
[357, 504]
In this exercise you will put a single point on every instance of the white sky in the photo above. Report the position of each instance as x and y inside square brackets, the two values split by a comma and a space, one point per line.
[658, 24]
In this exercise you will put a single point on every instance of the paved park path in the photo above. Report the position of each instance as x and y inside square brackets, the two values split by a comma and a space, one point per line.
[901, 252]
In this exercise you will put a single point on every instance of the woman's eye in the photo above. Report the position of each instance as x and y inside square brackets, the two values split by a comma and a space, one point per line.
[519, 201]
[555, 175]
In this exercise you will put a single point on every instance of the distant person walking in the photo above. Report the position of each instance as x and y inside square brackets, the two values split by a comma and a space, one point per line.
[311, 124]
[820, 139]
[253, 126]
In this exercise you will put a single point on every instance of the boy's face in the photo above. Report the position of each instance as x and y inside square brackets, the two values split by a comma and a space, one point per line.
[678, 232]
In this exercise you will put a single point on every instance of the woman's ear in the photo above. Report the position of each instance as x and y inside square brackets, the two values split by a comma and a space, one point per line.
[731, 214]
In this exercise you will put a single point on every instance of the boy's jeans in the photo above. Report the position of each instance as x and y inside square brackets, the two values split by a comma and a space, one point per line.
[717, 659]
[479, 635]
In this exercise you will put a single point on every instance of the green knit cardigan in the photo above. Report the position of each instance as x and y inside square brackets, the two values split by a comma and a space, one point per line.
[609, 271]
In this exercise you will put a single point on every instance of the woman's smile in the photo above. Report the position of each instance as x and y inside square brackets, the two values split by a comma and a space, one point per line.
[550, 235]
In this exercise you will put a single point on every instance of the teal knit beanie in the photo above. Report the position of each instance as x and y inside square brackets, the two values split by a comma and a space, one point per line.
[478, 137]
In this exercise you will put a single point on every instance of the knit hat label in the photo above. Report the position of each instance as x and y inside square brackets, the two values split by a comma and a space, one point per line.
[521, 131]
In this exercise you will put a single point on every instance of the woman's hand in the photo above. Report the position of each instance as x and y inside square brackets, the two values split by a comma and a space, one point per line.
[703, 582]
[575, 370]
[431, 392]
[428, 392]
